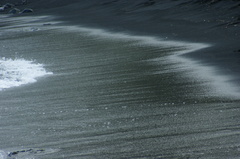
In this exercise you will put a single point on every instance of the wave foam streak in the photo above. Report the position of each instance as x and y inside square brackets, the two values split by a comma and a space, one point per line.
[17, 72]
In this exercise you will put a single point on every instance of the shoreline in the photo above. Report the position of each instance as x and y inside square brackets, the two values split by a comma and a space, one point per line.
[167, 20]
[224, 52]
[194, 71]
[119, 89]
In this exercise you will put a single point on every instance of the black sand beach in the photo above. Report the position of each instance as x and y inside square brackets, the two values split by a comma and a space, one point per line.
[146, 79]
[211, 21]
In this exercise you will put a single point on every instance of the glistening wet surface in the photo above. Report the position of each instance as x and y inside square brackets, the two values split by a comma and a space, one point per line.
[111, 97]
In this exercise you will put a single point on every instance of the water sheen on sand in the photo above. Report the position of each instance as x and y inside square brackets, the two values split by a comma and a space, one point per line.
[113, 96]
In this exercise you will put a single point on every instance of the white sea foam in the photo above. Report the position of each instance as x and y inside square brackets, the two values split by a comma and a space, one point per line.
[17, 72]
[3, 155]
[215, 84]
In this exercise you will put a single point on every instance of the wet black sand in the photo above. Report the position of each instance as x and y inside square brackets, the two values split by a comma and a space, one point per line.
[216, 22]
[118, 116]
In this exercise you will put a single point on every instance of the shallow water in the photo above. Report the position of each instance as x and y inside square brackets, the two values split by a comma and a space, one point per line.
[112, 95]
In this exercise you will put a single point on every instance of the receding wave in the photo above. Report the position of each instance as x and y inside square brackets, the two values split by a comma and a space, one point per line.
[17, 72]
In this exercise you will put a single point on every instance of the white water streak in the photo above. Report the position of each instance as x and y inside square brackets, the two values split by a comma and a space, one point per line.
[215, 84]
[218, 85]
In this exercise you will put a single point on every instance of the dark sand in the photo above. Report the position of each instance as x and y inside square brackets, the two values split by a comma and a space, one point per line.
[216, 22]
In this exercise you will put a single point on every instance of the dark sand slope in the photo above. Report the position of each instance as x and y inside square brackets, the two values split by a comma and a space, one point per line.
[103, 99]
[210, 21]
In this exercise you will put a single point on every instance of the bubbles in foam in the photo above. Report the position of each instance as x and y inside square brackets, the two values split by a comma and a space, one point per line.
[3, 155]
[16, 72]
